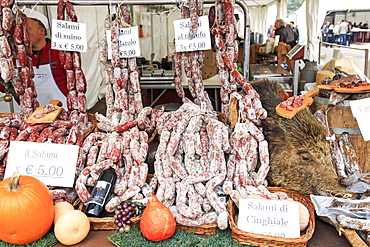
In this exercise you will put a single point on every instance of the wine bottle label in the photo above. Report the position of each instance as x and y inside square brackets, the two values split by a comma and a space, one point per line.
[100, 193]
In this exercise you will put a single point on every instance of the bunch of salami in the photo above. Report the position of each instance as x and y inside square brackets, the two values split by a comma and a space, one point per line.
[126, 152]
[123, 94]
[193, 61]
[124, 146]
[247, 141]
[244, 177]
[15, 44]
[76, 81]
[223, 26]
[190, 165]
[6, 54]
[343, 154]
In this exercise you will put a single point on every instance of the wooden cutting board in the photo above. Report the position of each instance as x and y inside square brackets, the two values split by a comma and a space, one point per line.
[47, 118]
[305, 102]
[360, 89]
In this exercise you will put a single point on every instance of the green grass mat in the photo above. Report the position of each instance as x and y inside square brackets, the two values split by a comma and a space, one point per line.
[181, 238]
[48, 240]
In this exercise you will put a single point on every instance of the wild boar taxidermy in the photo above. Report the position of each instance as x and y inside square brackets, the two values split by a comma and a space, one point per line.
[299, 152]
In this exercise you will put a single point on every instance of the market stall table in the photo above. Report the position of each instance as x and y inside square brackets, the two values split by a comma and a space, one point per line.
[153, 83]
[325, 235]
[359, 33]
[272, 72]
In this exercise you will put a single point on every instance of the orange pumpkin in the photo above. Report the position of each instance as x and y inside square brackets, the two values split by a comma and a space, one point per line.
[157, 222]
[26, 209]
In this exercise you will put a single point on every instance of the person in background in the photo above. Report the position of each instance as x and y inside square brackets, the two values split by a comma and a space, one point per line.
[325, 32]
[271, 32]
[50, 75]
[349, 33]
[365, 25]
[343, 28]
[287, 35]
[295, 28]
[336, 32]
[237, 18]
[331, 34]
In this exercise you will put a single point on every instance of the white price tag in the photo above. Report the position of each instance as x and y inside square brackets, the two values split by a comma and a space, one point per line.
[269, 217]
[128, 41]
[202, 39]
[68, 36]
[361, 111]
[360, 107]
[53, 164]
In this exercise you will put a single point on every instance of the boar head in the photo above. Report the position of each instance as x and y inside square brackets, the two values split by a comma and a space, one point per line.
[300, 157]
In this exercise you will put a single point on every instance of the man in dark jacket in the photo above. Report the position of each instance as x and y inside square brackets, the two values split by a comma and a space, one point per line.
[287, 35]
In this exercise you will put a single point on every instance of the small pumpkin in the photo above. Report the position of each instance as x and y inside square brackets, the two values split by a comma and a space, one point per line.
[72, 227]
[26, 209]
[60, 208]
[157, 222]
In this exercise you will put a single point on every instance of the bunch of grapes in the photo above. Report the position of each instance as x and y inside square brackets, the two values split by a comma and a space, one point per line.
[123, 212]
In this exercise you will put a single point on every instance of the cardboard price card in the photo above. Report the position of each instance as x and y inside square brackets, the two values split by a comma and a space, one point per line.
[68, 36]
[202, 39]
[53, 164]
[278, 218]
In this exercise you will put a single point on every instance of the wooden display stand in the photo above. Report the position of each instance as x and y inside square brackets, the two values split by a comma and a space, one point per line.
[257, 53]
[254, 51]
[282, 49]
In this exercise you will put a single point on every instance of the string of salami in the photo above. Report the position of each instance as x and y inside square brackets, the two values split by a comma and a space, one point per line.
[125, 145]
[76, 81]
[15, 43]
[192, 60]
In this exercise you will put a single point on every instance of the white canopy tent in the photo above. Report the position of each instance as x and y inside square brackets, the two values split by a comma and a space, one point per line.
[162, 30]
